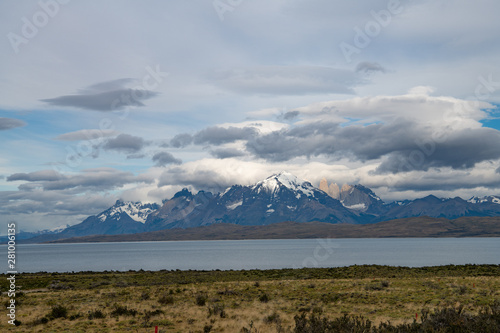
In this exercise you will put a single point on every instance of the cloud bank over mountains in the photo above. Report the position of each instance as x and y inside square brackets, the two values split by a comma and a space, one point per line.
[405, 145]
[147, 100]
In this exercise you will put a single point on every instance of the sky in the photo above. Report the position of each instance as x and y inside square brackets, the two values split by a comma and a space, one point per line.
[135, 100]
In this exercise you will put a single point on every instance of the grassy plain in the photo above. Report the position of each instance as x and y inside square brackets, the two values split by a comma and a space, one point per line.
[242, 301]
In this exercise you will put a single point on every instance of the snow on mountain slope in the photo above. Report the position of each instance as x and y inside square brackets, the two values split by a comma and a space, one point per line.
[234, 205]
[135, 210]
[56, 229]
[360, 206]
[273, 184]
[491, 199]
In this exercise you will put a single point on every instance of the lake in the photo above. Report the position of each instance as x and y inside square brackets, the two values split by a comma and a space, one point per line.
[250, 254]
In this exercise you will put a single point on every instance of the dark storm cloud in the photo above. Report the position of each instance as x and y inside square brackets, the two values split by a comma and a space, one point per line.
[125, 143]
[96, 179]
[52, 202]
[275, 146]
[37, 176]
[135, 156]
[202, 179]
[213, 135]
[10, 123]
[61, 195]
[100, 179]
[290, 115]
[181, 140]
[105, 96]
[219, 135]
[404, 145]
[369, 67]
[498, 170]
[444, 181]
[460, 150]
[164, 158]
[360, 142]
[226, 153]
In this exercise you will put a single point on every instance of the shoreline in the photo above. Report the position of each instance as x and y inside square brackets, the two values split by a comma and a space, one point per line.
[414, 227]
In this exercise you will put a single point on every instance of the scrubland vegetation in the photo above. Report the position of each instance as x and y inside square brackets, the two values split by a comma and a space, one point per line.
[347, 299]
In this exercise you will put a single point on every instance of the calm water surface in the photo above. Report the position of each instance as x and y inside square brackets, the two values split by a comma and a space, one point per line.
[248, 254]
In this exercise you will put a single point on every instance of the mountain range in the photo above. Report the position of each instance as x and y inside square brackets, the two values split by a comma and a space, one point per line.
[278, 198]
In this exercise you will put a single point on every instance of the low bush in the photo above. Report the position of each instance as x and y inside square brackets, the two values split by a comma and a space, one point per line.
[58, 311]
[75, 316]
[201, 299]
[377, 286]
[440, 321]
[217, 310]
[272, 318]
[264, 298]
[166, 299]
[96, 314]
[156, 312]
[123, 311]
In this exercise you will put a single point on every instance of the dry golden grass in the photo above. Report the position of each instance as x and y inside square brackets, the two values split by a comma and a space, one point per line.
[243, 304]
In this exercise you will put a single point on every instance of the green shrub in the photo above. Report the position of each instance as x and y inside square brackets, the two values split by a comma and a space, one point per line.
[264, 298]
[75, 316]
[462, 290]
[442, 321]
[149, 314]
[317, 310]
[58, 311]
[166, 299]
[96, 314]
[217, 310]
[377, 286]
[201, 299]
[272, 318]
[123, 311]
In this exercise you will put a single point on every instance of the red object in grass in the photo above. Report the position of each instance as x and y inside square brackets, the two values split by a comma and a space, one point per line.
[156, 329]
[416, 316]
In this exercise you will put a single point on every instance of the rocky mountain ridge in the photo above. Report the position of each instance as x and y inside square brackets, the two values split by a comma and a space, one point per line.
[278, 198]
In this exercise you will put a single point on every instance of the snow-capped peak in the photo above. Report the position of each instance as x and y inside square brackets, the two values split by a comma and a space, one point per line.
[474, 200]
[273, 183]
[58, 229]
[490, 199]
[54, 230]
[135, 210]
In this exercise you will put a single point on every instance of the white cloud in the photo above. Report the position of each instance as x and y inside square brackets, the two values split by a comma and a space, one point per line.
[87, 134]
[288, 80]
[417, 105]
